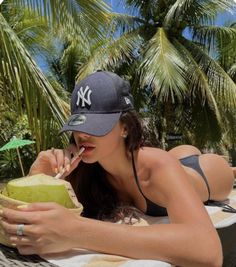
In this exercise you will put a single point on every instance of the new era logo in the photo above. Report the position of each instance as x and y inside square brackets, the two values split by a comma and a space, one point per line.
[83, 96]
[127, 100]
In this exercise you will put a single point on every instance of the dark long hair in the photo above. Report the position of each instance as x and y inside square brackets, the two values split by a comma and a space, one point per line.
[94, 192]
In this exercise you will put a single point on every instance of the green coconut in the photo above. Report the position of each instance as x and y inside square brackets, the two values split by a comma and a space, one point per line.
[42, 188]
[37, 188]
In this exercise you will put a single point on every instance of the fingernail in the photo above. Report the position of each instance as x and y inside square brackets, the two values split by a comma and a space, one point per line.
[61, 169]
[22, 206]
[13, 244]
[56, 170]
[1, 212]
[67, 167]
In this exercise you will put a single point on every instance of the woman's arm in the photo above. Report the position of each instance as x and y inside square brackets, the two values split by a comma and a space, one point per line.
[50, 228]
[180, 244]
[189, 240]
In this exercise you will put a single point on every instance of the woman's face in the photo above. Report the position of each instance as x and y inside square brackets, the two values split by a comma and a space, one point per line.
[98, 148]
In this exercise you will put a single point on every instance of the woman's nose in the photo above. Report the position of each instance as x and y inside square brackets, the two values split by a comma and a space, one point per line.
[82, 136]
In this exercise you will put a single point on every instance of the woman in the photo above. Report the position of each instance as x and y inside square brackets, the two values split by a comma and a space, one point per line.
[114, 171]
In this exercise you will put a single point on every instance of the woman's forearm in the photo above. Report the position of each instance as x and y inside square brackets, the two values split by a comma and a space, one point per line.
[182, 245]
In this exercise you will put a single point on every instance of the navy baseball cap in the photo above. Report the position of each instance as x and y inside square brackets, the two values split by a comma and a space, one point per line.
[97, 103]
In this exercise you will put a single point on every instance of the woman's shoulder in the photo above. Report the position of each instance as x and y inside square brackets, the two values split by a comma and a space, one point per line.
[156, 162]
[150, 156]
[157, 169]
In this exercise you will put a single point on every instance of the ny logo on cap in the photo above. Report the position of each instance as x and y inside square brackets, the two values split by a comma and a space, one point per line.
[84, 96]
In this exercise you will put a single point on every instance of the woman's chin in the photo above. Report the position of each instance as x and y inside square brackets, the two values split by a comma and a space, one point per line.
[88, 160]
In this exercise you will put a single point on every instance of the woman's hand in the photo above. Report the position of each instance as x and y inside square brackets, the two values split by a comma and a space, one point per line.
[48, 228]
[53, 161]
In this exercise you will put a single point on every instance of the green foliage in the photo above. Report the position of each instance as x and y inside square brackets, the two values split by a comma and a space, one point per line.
[12, 125]
[180, 86]
[22, 83]
[174, 79]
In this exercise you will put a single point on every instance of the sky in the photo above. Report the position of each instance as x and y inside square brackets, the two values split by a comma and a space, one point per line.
[222, 18]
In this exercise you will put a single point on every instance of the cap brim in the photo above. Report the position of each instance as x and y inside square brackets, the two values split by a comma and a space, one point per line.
[93, 124]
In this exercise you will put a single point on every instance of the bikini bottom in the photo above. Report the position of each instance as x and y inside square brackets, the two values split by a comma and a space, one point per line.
[193, 162]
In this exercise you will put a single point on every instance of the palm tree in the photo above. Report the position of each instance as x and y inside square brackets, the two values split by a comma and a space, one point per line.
[23, 86]
[227, 59]
[178, 75]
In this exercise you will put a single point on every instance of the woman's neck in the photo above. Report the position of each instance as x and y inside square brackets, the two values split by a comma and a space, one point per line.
[118, 166]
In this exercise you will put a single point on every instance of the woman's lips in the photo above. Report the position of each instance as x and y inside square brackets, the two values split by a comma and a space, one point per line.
[87, 148]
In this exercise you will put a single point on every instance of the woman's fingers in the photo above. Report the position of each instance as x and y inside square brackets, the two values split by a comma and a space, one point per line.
[24, 213]
[12, 228]
[59, 157]
[21, 240]
[67, 159]
[40, 206]
[35, 228]
[46, 162]
[63, 160]
[54, 161]
[26, 250]
[17, 217]
[28, 215]
[72, 157]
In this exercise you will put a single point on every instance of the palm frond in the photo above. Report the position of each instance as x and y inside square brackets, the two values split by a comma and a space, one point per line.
[111, 54]
[163, 68]
[232, 72]
[72, 58]
[179, 9]
[72, 16]
[230, 128]
[124, 22]
[28, 26]
[25, 82]
[129, 6]
[1, 90]
[226, 51]
[213, 36]
[32, 34]
[203, 128]
[198, 81]
[195, 12]
[95, 11]
[222, 86]
[220, 5]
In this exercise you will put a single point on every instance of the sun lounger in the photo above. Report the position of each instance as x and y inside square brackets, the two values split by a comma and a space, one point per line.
[224, 222]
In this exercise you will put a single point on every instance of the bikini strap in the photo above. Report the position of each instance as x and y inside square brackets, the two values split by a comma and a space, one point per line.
[135, 175]
[153, 209]
[200, 171]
